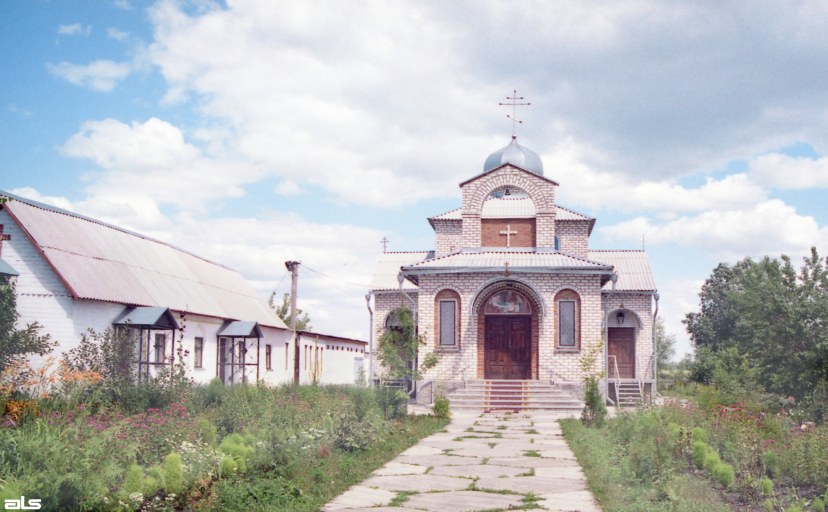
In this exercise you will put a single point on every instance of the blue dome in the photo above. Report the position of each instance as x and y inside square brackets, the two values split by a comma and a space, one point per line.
[516, 155]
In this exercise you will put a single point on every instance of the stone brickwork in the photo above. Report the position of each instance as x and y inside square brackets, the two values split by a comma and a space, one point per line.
[574, 237]
[448, 236]
[641, 305]
[550, 364]
[538, 188]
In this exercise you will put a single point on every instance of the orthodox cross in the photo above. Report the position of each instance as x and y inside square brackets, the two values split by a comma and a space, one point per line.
[514, 104]
[384, 243]
[3, 238]
[508, 234]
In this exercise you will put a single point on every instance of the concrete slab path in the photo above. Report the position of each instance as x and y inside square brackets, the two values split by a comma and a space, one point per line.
[483, 462]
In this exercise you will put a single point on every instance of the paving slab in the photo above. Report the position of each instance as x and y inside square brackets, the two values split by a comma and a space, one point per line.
[360, 496]
[463, 501]
[440, 469]
[417, 483]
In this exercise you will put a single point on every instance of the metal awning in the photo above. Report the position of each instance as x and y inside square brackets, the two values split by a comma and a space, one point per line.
[7, 270]
[239, 329]
[148, 317]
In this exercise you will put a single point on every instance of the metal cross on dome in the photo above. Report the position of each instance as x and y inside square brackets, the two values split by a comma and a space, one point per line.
[514, 104]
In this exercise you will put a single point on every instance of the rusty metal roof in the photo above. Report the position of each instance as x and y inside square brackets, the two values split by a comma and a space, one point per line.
[99, 261]
[388, 267]
[633, 268]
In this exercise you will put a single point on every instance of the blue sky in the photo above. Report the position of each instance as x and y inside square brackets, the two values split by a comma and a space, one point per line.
[256, 131]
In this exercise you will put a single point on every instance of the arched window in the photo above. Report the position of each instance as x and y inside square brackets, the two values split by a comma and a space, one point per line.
[557, 243]
[447, 318]
[392, 321]
[567, 320]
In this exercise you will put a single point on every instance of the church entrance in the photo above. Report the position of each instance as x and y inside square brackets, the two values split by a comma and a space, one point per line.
[508, 347]
[505, 336]
[622, 349]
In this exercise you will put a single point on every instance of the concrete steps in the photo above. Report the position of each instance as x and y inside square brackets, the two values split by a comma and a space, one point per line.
[629, 394]
[513, 395]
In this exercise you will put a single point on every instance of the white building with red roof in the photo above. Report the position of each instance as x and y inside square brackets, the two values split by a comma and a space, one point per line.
[74, 273]
[513, 292]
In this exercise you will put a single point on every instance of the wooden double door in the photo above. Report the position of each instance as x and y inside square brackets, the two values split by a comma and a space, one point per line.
[508, 347]
[622, 346]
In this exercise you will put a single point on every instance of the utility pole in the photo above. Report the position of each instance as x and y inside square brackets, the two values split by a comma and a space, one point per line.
[293, 267]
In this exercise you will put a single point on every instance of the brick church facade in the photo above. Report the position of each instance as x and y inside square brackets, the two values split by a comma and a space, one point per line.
[512, 289]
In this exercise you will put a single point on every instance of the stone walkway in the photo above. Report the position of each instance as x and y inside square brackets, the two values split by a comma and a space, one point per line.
[483, 462]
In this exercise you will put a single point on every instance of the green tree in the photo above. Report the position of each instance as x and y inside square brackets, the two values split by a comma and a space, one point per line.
[665, 345]
[767, 321]
[16, 345]
[303, 321]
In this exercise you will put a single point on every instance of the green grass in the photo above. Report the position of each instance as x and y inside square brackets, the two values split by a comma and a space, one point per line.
[611, 476]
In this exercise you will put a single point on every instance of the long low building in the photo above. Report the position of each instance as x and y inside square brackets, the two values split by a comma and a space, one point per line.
[74, 273]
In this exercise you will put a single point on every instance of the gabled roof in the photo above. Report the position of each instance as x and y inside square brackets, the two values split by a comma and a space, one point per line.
[7, 270]
[514, 208]
[239, 329]
[519, 262]
[388, 268]
[99, 261]
[633, 268]
[487, 172]
[153, 317]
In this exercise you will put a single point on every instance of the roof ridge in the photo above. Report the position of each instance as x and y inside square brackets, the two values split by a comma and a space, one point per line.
[69, 213]
[405, 252]
[570, 210]
[618, 250]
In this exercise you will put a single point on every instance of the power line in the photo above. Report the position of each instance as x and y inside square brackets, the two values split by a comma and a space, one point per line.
[336, 278]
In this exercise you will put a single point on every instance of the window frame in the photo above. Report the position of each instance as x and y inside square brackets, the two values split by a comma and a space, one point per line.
[198, 352]
[455, 330]
[568, 296]
[163, 346]
[446, 295]
[268, 356]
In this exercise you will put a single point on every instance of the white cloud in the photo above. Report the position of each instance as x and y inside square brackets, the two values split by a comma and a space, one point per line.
[679, 296]
[585, 186]
[100, 75]
[154, 160]
[118, 35]
[785, 172]
[769, 228]
[123, 5]
[75, 29]
[288, 188]
[34, 195]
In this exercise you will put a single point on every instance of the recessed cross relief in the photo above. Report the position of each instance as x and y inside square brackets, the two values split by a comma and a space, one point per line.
[508, 232]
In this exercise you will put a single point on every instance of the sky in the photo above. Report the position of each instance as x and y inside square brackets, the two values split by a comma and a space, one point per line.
[252, 132]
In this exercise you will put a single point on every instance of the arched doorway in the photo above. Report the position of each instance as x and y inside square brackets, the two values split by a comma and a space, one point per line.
[509, 324]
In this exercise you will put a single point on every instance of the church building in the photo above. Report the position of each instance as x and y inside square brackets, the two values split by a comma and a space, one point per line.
[513, 291]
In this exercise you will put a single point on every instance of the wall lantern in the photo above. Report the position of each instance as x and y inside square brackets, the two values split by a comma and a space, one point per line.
[620, 317]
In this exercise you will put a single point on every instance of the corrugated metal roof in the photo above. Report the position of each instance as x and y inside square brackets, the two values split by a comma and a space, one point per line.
[518, 261]
[239, 329]
[633, 268]
[521, 207]
[99, 261]
[157, 317]
[388, 267]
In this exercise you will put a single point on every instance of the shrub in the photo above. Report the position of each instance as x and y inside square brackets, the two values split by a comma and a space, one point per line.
[441, 407]
[700, 450]
[173, 469]
[818, 505]
[768, 505]
[353, 435]
[240, 448]
[766, 486]
[133, 480]
[700, 434]
[595, 412]
[724, 474]
[228, 466]
[771, 463]
[214, 392]
[711, 460]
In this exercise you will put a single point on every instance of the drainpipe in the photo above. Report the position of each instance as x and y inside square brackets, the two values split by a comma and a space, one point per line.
[370, 339]
[655, 347]
[614, 279]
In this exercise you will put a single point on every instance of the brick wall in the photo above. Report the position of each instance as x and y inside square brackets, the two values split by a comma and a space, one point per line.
[523, 229]
[448, 236]
[574, 236]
